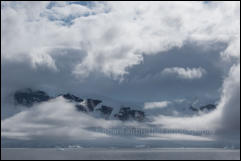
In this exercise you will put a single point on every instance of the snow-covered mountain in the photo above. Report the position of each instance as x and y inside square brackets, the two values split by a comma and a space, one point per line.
[80, 119]
[181, 108]
[94, 107]
[106, 109]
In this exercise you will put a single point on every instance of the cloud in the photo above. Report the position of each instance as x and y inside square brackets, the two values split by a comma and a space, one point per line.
[55, 119]
[230, 100]
[78, 48]
[177, 137]
[70, 11]
[225, 120]
[153, 105]
[185, 73]
[124, 34]
[232, 50]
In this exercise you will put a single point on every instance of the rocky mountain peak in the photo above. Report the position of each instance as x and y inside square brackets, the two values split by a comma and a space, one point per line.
[28, 97]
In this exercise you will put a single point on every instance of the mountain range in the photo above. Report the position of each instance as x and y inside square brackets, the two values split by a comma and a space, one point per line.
[29, 97]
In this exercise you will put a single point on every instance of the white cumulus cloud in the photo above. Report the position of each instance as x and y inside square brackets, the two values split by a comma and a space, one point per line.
[115, 35]
[185, 73]
[154, 105]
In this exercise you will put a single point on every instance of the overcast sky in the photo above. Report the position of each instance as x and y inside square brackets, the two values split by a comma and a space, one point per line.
[127, 51]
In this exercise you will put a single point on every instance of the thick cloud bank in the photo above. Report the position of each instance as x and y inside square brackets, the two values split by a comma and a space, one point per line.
[230, 101]
[55, 119]
[114, 35]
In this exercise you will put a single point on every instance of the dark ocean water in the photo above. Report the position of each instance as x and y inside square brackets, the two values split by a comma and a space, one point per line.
[118, 154]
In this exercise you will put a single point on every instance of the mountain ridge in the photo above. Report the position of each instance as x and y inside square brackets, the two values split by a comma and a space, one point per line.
[29, 97]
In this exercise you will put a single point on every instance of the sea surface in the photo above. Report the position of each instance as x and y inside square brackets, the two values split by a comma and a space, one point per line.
[118, 154]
